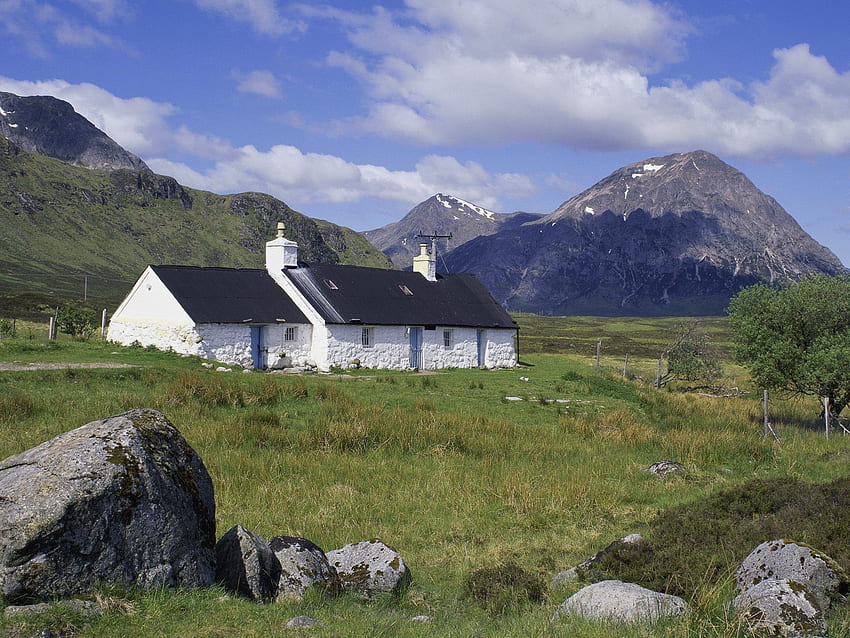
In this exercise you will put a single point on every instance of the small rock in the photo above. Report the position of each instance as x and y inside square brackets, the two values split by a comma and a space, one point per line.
[245, 565]
[781, 608]
[247, 371]
[614, 600]
[370, 567]
[303, 565]
[513, 398]
[209, 366]
[421, 618]
[663, 468]
[222, 369]
[303, 622]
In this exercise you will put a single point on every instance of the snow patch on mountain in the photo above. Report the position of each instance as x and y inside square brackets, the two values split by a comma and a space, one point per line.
[450, 201]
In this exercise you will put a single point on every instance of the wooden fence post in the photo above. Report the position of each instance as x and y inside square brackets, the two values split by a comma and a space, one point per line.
[766, 424]
[598, 348]
[826, 415]
[625, 365]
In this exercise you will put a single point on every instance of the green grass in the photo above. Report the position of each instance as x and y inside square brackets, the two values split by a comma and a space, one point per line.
[441, 467]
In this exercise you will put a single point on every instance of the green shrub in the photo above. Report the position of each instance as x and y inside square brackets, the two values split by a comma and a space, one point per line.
[690, 544]
[502, 589]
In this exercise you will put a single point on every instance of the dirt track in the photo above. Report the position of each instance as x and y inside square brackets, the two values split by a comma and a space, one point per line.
[16, 366]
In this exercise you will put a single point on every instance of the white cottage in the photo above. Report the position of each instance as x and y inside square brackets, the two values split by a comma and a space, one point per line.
[331, 315]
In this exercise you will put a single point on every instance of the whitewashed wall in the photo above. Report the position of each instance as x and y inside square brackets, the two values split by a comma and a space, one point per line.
[392, 348]
[296, 352]
[501, 348]
[160, 334]
[151, 316]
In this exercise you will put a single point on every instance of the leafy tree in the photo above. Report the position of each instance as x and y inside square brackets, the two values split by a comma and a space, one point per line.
[796, 337]
[690, 357]
[76, 320]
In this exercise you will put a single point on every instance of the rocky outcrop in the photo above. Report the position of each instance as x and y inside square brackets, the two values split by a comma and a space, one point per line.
[370, 567]
[49, 126]
[124, 500]
[614, 600]
[673, 235]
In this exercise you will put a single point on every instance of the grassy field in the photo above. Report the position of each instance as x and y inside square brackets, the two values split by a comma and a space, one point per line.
[442, 467]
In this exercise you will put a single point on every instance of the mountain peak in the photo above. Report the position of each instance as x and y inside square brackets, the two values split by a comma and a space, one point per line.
[672, 235]
[440, 214]
[48, 126]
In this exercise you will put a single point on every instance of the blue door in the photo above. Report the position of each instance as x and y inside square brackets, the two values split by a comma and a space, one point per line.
[481, 342]
[258, 348]
[415, 348]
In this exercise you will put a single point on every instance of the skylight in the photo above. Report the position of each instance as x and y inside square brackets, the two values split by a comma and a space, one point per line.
[405, 290]
[331, 284]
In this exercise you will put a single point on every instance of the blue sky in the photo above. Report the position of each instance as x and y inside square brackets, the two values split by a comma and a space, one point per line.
[355, 112]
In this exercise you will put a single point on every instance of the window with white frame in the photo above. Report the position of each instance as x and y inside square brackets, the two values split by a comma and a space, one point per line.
[448, 337]
[290, 333]
[367, 337]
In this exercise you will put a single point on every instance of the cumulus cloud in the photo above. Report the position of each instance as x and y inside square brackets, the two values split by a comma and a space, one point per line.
[579, 73]
[259, 82]
[303, 178]
[263, 15]
[143, 126]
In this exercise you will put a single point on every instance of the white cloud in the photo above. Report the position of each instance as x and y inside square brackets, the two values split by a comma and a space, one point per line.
[260, 82]
[302, 178]
[578, 73]
[263, 15]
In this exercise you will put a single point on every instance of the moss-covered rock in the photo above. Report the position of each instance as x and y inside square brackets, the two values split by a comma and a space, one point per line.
[124, 499]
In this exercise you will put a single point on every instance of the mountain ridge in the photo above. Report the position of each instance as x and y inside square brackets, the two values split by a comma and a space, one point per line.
[678, 234]
[63, 227]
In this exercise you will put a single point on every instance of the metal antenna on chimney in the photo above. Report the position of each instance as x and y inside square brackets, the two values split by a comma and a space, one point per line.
[434, 237]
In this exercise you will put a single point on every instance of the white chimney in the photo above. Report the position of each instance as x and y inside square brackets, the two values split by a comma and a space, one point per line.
[281, 252]
[425, 263]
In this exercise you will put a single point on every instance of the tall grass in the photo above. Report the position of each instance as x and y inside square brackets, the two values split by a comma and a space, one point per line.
[441, 467]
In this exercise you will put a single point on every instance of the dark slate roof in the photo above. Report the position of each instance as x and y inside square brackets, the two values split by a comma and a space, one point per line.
[355, 294]
[229, 295]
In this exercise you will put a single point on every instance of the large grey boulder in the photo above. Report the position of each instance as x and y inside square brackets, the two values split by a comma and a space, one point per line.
[784, 559]
[124, 499]
[781, 607]
[303, 565]
[614, 600]
[246, 565]
[370, 567]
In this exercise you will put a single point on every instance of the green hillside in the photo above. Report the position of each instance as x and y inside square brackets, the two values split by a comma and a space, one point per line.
[68, 231]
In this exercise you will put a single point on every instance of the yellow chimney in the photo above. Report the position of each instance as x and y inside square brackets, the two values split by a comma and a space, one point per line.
[425, 263]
